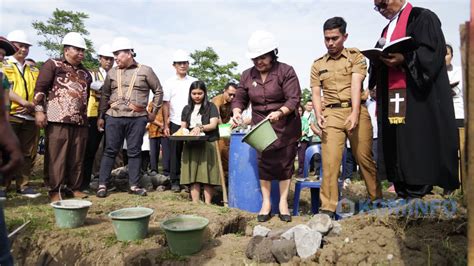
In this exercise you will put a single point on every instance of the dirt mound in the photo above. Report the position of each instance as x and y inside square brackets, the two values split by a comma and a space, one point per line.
[364, 240]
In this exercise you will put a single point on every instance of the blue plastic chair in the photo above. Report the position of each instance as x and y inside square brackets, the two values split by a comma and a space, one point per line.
[314, 186]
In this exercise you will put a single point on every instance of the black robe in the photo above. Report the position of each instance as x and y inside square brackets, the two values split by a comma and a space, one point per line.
[423, 151]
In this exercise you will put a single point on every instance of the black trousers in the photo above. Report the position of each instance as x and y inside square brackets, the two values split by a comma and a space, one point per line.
[176, 149]
[155, 144]
[93, 142]
[117, 129]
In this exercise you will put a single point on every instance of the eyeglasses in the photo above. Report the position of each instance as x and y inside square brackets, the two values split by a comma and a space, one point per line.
[77, 49]
[182, 63]
[381, 6]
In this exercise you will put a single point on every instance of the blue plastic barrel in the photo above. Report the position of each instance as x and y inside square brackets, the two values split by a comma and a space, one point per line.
[244, 184]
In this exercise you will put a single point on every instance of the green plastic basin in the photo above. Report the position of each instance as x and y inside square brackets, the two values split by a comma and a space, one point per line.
[185, 233]
[131, 223]
[261, 136]
[70, 213]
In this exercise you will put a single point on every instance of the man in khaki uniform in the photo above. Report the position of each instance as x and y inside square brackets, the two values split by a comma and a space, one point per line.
[340, 74]
[223, 103]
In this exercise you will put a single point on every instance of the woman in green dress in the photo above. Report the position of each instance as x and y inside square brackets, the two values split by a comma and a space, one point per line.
[200, 165]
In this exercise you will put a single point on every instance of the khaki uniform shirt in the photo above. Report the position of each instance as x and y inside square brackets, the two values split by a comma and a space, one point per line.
[223, 106]
[334, 75]
[146, 80]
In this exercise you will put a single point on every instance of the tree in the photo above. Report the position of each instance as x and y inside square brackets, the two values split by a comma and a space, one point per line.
[305, 95]
[54, 29]
[215, 76]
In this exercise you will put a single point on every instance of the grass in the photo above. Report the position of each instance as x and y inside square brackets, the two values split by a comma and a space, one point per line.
[110, 240]
[166, 255]
[38, 215]
[453, 252]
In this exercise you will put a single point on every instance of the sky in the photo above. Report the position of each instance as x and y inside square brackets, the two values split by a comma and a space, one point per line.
[157, 28]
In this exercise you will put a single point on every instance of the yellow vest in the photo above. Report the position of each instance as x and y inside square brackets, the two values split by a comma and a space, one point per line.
[23, 85]
[93, 103]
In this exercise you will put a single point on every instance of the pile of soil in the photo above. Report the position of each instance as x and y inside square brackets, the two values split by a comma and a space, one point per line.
[364, 240]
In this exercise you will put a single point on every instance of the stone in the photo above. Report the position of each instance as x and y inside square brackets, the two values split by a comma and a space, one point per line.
[120, 173]
[259, 249]
[290, 233]
[260, 230]
[248, 230]
[336, 228]
[283, 250]
[321, 223]
[389, 257]
[145, 182]
[307, 241]
[276, 233]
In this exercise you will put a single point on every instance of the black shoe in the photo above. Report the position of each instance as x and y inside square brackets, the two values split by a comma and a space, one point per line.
[138, 191]
[102, 192]
[285, 217]
[328, 213]
[264, 217]
[175, 188]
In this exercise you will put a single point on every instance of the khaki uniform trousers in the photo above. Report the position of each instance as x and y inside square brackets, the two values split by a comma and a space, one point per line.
[224, 145]
[332, 147]
[28, 135]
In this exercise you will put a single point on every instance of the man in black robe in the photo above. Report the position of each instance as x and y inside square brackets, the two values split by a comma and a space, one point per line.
[417, 145]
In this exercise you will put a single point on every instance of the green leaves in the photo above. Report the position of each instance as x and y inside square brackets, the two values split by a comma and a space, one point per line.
[61, 23]
[215, 76]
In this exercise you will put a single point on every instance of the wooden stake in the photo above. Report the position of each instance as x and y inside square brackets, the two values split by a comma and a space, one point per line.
[221, 174]
[468, 63]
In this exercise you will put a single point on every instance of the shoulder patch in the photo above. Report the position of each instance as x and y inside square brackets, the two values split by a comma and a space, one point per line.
[353, 50]
[320, 58]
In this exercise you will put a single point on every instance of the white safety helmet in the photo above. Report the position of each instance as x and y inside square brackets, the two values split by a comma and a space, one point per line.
[181, 56]
[74, 39]
[260, 43]
[18, 36]
[121, 43]
[105, 50]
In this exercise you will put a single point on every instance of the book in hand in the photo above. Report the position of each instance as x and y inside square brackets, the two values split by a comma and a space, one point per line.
[402, 45]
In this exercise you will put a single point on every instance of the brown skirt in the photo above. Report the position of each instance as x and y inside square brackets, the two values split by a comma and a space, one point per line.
[277, 164]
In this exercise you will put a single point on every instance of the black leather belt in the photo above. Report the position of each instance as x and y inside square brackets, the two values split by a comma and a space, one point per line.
[342, 105]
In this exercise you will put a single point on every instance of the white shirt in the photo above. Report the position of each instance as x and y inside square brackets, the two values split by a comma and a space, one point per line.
[455, 75]
[20, 66]
[307, 115]
[371, 103]
[196, 118]
[176, 92]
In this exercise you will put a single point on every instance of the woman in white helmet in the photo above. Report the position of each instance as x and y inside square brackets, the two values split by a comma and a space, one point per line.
[273, 90]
